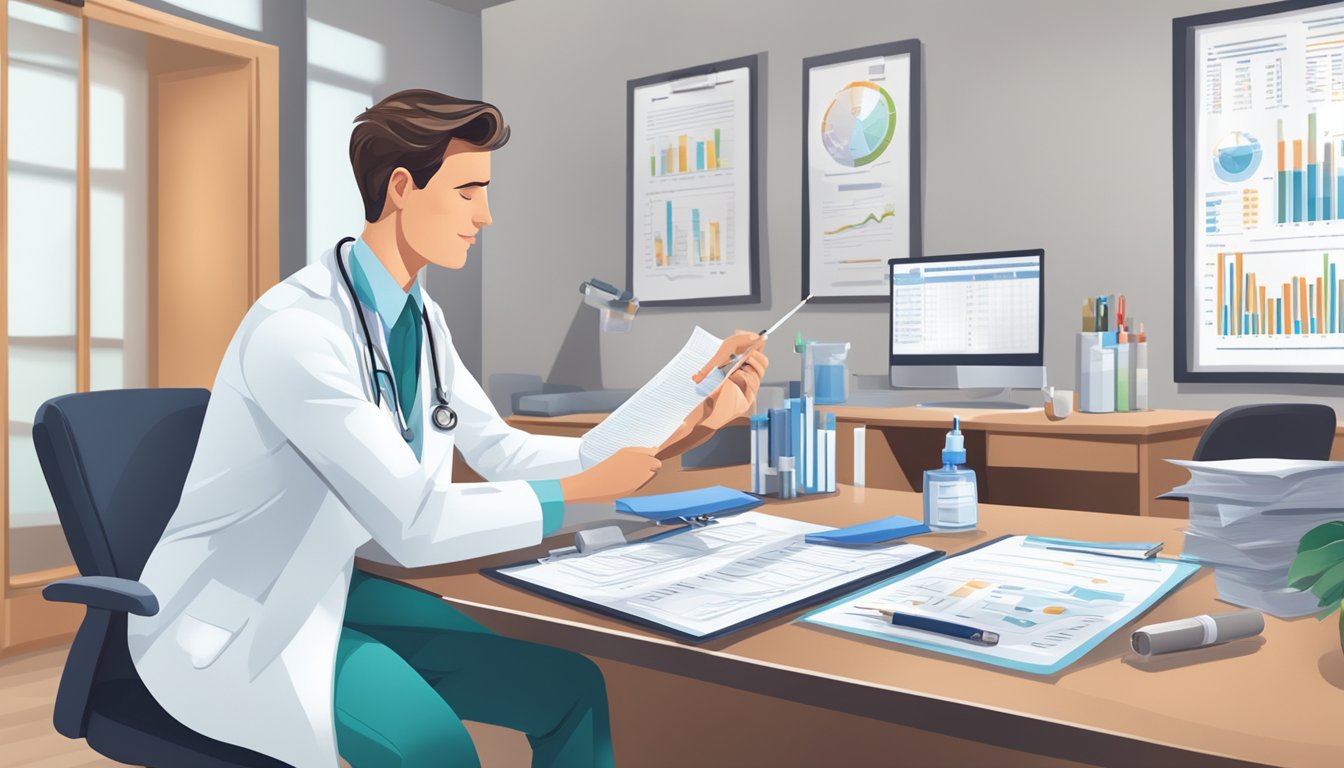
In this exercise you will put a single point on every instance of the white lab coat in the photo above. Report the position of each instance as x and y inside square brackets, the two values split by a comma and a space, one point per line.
[297, 470]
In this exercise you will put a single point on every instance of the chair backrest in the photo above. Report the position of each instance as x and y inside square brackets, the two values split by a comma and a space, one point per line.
[1269, 431]
[116, 461]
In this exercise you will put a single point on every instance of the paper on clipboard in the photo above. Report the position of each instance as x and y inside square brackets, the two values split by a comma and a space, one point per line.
[653, 413]
[1048, 607]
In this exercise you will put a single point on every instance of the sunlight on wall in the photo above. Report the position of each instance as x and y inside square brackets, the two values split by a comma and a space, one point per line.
[240, 13]
[344, 70]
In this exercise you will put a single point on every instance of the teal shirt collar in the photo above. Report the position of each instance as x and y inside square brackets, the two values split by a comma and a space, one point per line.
[377, 289]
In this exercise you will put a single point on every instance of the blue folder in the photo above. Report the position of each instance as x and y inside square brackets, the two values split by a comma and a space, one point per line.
[714, 500]
[886, 529]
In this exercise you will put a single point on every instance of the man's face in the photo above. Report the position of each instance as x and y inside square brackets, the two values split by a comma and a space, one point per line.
[440, 222]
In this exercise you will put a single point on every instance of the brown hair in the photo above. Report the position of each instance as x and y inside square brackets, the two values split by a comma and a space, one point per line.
[411, 129]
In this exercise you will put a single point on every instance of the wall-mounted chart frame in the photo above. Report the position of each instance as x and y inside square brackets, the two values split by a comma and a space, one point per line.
[691, 217]
[1258, 139]
[862, 168]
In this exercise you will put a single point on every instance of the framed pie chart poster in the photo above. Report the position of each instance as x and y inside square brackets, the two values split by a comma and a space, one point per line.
[861, 163]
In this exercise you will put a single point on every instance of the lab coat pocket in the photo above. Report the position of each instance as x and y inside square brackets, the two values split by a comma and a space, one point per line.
[210, 623]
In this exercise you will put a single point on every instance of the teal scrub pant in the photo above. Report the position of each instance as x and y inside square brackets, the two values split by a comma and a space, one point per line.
[410, 668]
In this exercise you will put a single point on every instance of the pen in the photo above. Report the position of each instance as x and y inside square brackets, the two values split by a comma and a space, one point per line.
[938, 626]
[729, 367]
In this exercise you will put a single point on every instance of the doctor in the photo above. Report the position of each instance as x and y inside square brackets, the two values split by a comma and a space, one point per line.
[330, 434]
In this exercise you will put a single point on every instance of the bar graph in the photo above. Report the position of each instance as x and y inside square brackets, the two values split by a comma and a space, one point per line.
[1252, 304]
[1310, 187]
[685, 153]
[688, 235]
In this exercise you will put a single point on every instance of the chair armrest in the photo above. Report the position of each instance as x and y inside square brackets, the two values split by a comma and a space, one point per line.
[106, 592]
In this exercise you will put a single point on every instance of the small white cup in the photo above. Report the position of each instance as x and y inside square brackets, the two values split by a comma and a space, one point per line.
[1058, 403]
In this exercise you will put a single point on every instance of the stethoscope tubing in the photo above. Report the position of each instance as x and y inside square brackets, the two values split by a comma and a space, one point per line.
[443, 416]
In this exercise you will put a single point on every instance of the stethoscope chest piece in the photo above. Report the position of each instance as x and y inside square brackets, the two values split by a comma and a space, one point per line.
[445, 418]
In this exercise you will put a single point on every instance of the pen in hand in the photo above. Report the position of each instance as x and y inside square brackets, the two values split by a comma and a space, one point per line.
[727, 368]
[937, 626]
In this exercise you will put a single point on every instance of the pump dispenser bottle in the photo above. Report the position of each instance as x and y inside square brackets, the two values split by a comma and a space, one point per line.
[950, 492]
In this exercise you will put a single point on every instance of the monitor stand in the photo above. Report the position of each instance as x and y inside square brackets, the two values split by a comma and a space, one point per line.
[986, 403]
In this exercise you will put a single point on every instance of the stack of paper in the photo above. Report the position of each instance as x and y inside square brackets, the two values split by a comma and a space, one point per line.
[1246, 518]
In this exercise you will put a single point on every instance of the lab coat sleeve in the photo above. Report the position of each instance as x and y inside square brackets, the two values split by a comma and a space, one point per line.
[498, 451]
[304, 375]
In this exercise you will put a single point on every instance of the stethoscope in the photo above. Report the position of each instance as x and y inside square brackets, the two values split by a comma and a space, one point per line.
[442, 416]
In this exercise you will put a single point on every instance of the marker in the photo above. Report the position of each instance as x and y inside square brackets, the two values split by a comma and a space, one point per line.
[1196, 632]
[937, 626]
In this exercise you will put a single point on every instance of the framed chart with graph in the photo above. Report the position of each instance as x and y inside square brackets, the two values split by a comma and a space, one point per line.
[691, 219]
[1259, 194]
[861, 169]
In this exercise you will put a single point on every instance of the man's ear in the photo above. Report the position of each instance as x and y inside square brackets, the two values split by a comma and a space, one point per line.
[398, 186]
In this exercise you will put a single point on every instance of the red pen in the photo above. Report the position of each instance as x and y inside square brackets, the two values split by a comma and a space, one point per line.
[1120, 310]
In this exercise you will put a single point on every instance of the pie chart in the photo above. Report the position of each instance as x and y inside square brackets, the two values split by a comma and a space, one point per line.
[859, 124]
[1236, 157]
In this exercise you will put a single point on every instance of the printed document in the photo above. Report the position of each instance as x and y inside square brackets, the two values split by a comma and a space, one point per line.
[653, 413]
[1048, 607]
[704, 580]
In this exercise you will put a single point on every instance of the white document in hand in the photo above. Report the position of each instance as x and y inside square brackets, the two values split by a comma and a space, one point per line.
[653, 413]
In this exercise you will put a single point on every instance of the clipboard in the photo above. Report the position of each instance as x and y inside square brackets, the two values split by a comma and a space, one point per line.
[501, 574]
[1181, 572]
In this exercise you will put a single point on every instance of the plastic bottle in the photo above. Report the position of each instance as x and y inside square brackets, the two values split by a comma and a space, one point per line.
[950, 493]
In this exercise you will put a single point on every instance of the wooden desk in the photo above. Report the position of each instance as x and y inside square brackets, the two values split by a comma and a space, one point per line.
[793, 694]
[1098, 462]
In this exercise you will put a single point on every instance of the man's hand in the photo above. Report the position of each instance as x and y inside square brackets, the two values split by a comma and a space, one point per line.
[736, 396]
[617, 476]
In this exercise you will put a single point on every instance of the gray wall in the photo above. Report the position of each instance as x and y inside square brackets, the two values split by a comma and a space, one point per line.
[1026, 103]
[282, 25]
[359, 52]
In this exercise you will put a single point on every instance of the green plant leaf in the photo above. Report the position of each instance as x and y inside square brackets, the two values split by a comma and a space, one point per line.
[1330, 587]
[1312, 563]
[1321, 535]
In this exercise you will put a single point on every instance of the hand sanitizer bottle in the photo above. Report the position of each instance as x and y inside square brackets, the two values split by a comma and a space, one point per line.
[950, 493]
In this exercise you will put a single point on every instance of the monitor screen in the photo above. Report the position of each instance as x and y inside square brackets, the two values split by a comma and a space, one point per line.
[969, 309]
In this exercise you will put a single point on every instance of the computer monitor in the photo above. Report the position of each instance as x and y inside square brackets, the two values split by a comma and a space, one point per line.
[968, 321]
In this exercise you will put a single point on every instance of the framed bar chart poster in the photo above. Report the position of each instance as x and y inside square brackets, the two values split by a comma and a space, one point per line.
[1259, 194]
[691, 218]
[861, 169]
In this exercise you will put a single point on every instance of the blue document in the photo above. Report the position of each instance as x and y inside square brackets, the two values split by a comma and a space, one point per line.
[715, 500]
[894, 527]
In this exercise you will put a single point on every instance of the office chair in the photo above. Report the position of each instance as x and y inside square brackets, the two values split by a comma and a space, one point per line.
[115, 462]
[1271, 431]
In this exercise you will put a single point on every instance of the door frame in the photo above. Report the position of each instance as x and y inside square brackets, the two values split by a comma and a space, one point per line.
[26, 620]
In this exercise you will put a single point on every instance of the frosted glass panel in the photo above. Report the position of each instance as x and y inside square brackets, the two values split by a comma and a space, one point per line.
[43, 123]
[118, 207]
[107, 370]
[38, 372]
[29, 500]
[41, 254]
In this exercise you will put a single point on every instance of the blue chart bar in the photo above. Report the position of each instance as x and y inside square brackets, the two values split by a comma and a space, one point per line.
[1311, 191]
[695, 228]
[1283, 195]
[699, 155]
[1327, 207]
[1334, 299]
[1297, 195]
[1226, 331]
[670, 250]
